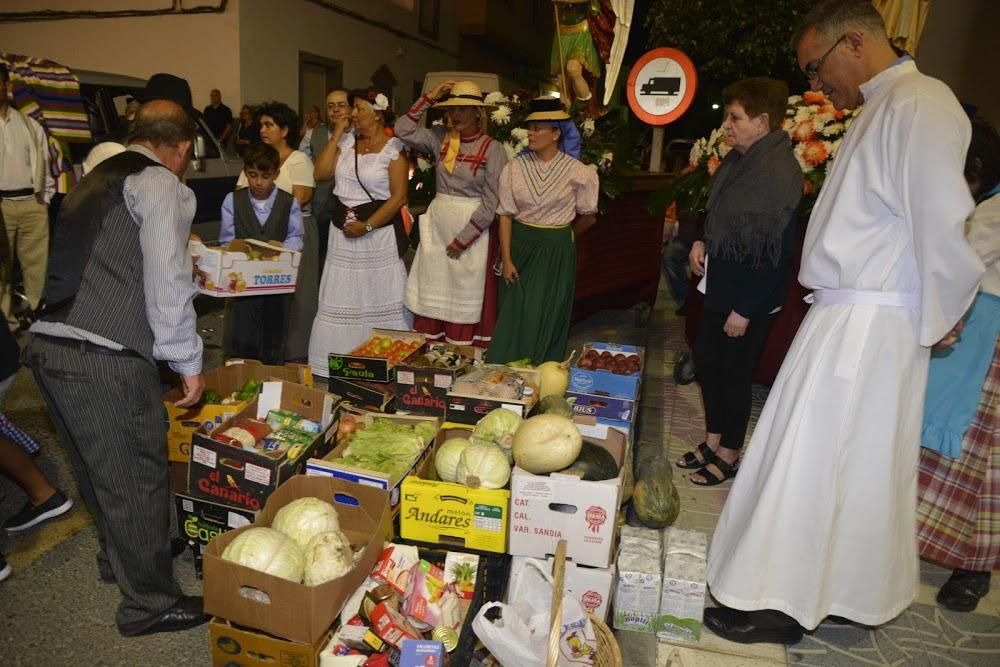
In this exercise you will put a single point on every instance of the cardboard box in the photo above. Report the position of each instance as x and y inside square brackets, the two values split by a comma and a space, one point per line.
[245, 478]
[283, 608]
[232, 272]
[452, 514]
[183, 422]
[371, 396]
[373, 369]
[592, 586]
[604, 407]
[328, 465]
[423, 390]
[233, 645]
[198, 521]
[606, 383]
[468, 409]
[547, 508]
[178, 477]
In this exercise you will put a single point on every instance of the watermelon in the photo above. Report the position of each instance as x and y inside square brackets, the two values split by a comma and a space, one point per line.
[594, 464]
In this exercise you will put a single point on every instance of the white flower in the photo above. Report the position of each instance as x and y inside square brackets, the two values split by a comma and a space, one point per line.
[799, 150]
[834, 129]
[802, 113]
[608, 156]
[794, 99]
[501, 115]
[724, 149]
[822, 118]
[422, 164]
[588, 127]
[381, 102]
[519, 133]
[514, 98]
[439, 121]
[512, 150]
[495, 98]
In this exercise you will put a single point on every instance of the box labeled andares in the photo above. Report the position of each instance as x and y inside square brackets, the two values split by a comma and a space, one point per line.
[375, 359]
[235, 645]
[287, 609]
[246, 267]
[223, 381]
[453, 514]
[199, 520]
[245, 478]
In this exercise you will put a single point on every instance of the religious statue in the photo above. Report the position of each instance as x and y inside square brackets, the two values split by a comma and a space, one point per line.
[588, 33]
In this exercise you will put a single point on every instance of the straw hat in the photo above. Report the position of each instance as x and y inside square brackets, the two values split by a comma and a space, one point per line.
[545, 108]
[464, 94]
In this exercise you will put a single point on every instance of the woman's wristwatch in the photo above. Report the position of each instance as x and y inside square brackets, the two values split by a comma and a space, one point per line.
[368, 227]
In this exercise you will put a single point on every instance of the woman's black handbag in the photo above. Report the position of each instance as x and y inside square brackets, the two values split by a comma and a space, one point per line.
[365, 211]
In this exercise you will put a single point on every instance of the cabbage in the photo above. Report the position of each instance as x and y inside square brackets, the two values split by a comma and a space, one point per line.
[387, 447]
[482, 465]
[446, 457]
[426, 431]
[267, 550]
[304, 518]
[327, 556]
[498, 427]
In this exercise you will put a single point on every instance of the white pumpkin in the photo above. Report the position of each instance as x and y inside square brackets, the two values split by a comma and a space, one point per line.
[546, 443]
[483, 465]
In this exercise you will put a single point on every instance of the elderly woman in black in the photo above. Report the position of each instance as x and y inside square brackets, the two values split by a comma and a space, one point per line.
[744, 257]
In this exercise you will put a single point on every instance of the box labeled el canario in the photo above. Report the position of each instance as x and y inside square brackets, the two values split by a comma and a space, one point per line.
[199, 520]
[235, 645]
[287, 609]
[547, 508]
[183, 422]
[360, 366]
[423, 389]
[247, 267]
[446, 513]
[245, 478]
[585, 378]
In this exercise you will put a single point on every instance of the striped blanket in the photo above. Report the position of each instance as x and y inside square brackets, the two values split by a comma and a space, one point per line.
[50, 93]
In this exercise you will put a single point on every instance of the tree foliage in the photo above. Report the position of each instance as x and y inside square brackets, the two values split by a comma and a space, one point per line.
[730, 40]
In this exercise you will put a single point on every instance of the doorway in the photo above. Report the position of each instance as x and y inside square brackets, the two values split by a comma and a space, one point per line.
[317, 76]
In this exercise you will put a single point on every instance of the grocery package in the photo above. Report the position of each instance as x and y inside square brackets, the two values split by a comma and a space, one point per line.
[282, 433]
[640, 580]
[682, 601]
[493, 381]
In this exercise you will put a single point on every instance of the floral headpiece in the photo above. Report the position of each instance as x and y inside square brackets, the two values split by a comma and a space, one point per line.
[378, 101]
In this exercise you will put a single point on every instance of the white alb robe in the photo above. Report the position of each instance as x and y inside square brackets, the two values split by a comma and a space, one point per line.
[821, 519]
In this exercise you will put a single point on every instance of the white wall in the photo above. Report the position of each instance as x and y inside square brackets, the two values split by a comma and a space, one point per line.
[272, 37]
[202, 48]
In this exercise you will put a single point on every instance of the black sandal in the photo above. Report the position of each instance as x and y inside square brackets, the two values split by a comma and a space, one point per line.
[728, 471]
[691, 462]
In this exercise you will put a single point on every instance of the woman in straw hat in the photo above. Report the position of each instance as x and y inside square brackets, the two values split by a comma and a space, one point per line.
[450, 290]
[545, 195]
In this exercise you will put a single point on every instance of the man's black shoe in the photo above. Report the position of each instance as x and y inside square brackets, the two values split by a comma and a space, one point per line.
[752, 627]
[963, 590]
[185, 614]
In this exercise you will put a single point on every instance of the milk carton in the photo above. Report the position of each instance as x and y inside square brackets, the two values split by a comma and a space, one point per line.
[637, 592]
[682, 600]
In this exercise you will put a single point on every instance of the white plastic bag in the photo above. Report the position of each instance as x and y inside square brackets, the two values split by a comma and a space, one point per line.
[520, 638]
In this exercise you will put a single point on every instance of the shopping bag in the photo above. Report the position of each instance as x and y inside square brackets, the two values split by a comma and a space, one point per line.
[520, 637]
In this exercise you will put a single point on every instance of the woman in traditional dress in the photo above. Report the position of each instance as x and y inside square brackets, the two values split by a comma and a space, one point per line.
[452, 290]
[958, 511]
[749, 237]
[545, 196]
[279, 127]
[364, 278]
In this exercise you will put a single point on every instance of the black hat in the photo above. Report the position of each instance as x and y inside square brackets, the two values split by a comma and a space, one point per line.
[545, 108]
[169, 87]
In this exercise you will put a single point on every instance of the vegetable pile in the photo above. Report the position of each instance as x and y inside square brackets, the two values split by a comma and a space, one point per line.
[247, 392]
[386, 446]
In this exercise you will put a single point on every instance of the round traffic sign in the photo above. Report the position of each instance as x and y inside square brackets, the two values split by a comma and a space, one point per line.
[661, 86]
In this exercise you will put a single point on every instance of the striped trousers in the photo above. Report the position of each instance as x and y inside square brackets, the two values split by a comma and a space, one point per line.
[109, 415]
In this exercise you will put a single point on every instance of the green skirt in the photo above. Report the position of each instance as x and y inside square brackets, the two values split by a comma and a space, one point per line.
[534, 315]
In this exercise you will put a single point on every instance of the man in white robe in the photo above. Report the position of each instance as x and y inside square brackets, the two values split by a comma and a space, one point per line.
[821, 520]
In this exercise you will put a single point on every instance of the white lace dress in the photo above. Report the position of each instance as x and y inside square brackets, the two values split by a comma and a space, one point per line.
[364, 280]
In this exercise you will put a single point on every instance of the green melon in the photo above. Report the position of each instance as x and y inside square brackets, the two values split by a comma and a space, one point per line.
[655, 498]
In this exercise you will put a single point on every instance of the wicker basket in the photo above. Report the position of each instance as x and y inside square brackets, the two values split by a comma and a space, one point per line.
[608, 653]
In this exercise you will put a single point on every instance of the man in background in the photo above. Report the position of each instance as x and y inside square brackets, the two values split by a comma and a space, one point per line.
[338, 112]
[218, 117]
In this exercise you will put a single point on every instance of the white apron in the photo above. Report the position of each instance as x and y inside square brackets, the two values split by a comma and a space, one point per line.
[439, 287]
[821, 519]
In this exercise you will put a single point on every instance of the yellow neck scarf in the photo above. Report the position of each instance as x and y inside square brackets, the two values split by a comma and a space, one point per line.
[452, 142]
